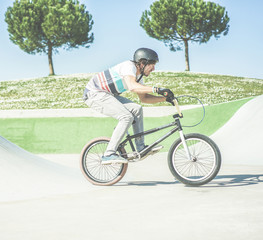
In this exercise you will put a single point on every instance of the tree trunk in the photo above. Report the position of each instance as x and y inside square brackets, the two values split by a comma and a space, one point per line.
[186, 55]
[50, 62]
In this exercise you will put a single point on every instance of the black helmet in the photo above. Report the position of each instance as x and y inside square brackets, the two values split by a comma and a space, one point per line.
[145, 53]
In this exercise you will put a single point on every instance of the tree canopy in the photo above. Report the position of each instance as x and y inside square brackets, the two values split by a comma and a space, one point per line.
[43, 26]
[175, 22]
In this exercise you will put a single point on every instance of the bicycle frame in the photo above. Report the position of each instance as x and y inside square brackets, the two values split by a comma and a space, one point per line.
[142, 153]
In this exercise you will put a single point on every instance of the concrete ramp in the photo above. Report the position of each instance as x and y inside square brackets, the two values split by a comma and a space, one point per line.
[25, 175]
[147, 204]
[241, 138]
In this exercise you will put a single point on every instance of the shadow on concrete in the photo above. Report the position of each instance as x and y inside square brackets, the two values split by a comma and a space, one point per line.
[238, 180]
[146, 183]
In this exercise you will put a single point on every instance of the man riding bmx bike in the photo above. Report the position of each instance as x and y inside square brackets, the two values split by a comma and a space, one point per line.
[102, 93]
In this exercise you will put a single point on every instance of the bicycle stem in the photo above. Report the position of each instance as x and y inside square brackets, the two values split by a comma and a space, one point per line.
[175, 103]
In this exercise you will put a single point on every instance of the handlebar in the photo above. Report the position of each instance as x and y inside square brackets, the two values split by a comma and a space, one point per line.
[175, 103]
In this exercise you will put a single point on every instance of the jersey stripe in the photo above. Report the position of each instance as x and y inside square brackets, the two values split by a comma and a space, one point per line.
[110, 79]
[118, 81]
[105, 81]
[101, 82]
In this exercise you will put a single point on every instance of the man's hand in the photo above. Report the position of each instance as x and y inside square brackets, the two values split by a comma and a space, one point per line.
[167, 93]
[170, 100]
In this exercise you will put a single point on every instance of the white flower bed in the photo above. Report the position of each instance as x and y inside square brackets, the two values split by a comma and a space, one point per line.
[58, 92]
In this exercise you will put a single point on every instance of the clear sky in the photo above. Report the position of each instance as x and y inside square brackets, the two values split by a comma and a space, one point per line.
[118, 34]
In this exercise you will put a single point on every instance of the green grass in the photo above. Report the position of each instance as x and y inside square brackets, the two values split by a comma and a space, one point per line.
[56, 92]
[69, 135]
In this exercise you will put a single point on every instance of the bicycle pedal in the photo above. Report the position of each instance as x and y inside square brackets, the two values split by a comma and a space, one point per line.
[115, 163]
[133, 156]
[156, 151]
[134, 160]
[152, 152]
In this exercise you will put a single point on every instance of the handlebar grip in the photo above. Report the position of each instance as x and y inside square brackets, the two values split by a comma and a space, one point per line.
[177, 107]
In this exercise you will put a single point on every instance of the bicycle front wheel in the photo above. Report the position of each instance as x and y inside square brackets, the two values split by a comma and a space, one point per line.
[203, 164]
[93, 170]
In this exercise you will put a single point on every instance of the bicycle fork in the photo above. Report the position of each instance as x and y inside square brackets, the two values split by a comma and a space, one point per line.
[185, 145]
[180, 129]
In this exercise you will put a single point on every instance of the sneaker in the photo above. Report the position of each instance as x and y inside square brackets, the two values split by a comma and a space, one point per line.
[135, 156]
[154, 149]
[113, 158]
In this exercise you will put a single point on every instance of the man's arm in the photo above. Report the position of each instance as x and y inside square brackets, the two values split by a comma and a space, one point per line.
[142, 91]
[135, 87]
[148, 98]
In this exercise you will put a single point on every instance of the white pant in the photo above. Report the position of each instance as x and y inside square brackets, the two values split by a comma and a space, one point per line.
[122, 109]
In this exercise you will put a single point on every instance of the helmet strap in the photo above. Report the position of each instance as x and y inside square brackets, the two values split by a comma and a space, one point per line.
[142, 71]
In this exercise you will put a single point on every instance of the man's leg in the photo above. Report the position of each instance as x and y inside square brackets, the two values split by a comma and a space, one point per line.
[108, 105]
[137, 112]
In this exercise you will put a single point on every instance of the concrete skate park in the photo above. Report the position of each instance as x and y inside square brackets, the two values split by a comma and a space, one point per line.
[46, 196]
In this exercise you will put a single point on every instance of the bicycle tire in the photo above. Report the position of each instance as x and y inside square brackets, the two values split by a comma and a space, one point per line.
[205, 160]
[93, 170]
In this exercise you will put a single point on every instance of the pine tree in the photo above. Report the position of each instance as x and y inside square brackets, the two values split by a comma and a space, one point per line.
[176, 22]
[43, 26]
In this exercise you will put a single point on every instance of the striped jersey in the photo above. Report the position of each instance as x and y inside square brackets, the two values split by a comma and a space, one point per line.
[112, 79]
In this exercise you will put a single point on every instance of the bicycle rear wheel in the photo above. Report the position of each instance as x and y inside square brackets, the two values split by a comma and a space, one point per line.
[204, 164]
[93, 170]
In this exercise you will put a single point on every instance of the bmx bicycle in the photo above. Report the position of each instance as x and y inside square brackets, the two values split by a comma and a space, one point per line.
[193, 159]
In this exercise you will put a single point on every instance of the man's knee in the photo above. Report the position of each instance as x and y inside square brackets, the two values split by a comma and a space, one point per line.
[137, 109]
[128, 118]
